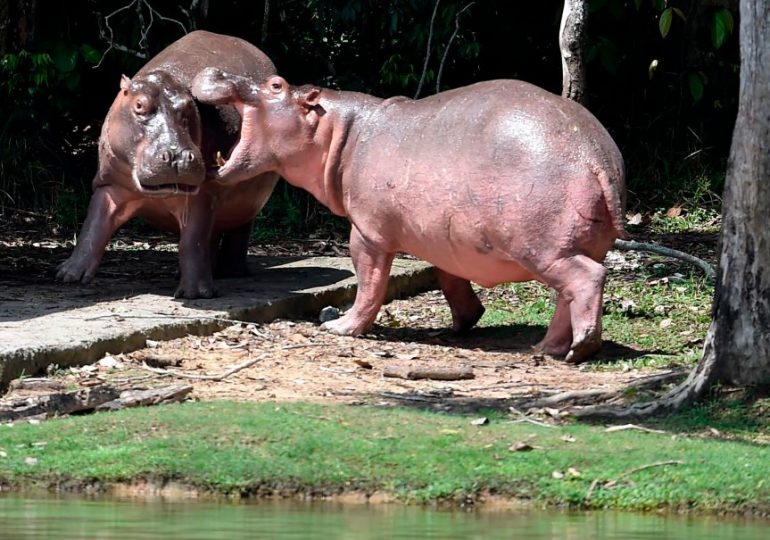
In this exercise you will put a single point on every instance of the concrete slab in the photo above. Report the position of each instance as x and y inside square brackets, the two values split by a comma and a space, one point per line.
[44, 323]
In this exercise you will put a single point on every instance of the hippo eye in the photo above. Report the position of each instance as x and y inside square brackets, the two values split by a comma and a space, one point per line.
[276, 86]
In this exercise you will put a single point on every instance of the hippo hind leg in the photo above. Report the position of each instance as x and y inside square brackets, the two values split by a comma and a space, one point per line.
[558, 338]
[579, 280]
[465, 306]
[231, 248]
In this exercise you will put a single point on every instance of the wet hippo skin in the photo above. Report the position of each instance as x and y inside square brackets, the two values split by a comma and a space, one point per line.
[496, 182]
[155, 146]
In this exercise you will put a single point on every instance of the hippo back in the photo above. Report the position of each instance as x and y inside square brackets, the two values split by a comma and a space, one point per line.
[184, 58]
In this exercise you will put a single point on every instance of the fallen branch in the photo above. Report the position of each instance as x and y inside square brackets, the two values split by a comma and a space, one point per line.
[196, 377]
[612, 483]
[632, 245]
[56, 404]
[626, 427]
[151, 396]
[436, 374]
[527, 419]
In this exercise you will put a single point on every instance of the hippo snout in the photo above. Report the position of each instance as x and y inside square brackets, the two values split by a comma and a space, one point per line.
[171, 169]
[177, 160]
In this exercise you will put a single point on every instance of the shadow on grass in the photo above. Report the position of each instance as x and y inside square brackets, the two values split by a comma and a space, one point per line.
[742, 414]
[514, 338]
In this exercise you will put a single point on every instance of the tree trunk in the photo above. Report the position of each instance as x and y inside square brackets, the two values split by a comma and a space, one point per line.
[572, 43]
[18, 20]
[737, 349]
[741, 328]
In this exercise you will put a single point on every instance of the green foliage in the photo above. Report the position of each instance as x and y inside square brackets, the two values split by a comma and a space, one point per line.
[38, 90]
[721, 27]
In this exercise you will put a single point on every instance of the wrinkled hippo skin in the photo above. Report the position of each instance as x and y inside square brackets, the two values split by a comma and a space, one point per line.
[154, 149]
[496, 182]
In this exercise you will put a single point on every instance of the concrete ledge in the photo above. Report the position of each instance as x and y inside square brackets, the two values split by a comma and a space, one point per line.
[71, 325]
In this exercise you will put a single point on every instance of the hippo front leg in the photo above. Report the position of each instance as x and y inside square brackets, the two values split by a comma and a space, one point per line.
[372, 267]
[465, 306]
[232, 251]
[105, 216]
[196, 224]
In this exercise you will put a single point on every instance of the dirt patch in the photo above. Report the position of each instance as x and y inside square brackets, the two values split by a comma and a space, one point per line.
[297, 361]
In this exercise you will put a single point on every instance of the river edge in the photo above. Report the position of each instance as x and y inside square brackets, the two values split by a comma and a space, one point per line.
[233, 451]
[174, 491]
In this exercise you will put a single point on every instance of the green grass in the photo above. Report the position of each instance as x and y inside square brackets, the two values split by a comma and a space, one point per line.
[246, 448]
[664, 319]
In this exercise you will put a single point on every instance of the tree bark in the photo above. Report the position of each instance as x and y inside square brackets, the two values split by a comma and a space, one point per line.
[572, 44]
[741, 329]
[737, 348]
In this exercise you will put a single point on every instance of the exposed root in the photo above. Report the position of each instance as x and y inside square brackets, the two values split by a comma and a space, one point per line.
[694, 387]
[632, 245]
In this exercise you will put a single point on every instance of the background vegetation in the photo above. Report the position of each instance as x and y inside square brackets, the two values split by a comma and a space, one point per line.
[662, 75]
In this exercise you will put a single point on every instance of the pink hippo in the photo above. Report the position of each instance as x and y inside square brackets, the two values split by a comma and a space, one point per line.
[496, 182]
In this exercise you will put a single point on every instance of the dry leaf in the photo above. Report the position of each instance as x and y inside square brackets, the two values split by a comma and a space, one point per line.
[558, 475]
[483, 421]
[572, 472]
[665, 323]
[30, 461]
[636, 219]
[568, 438]
[674, 211]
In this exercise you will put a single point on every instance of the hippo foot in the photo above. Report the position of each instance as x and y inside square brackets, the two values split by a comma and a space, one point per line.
[551, 349]
[463, 322]
[73, 272]
[199, 290]
[344, 326]
[580, 352]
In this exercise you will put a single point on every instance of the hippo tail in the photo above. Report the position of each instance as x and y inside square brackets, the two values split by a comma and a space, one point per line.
[614, 198]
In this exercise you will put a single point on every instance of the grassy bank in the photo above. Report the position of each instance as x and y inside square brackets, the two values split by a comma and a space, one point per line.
[252, 449]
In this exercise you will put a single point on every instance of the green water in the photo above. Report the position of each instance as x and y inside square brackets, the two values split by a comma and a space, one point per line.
[109, 519]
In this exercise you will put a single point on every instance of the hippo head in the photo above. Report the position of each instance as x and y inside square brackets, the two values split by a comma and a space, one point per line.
[277, 122]
[154, 128]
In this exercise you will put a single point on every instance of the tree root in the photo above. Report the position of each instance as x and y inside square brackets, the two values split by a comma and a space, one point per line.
[690, 390]
[632, 245]
[589, 397]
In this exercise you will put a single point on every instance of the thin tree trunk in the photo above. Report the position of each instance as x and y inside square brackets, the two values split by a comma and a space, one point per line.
[572, 44]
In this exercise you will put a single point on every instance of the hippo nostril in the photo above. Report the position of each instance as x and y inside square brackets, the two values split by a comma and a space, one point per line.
[188, 156]
[166, 156]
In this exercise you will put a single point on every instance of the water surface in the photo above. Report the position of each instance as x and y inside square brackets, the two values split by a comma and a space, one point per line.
[68, 518]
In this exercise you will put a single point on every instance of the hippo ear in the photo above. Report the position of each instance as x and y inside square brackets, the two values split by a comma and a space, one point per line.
[125, 83]
[309, 98]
